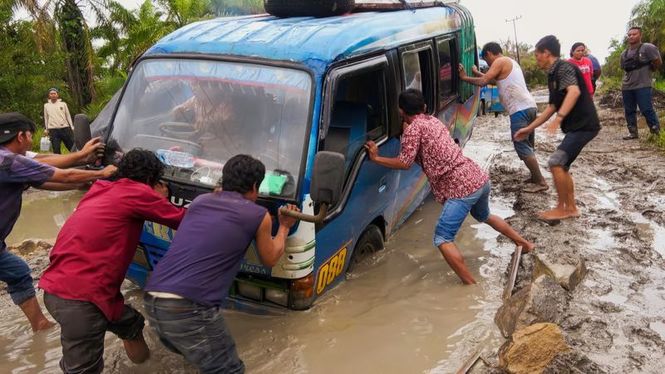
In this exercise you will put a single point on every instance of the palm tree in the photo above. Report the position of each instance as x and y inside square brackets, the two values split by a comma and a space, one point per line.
[650, 16]
[237, 7]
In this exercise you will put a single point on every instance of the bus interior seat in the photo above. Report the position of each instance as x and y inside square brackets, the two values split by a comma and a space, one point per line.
[347, 130]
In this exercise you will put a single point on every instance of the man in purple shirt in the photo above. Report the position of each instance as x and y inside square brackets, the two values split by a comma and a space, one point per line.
[17, 173]
[187, 288]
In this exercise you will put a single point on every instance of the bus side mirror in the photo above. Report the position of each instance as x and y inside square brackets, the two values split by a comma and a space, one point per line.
[81, 130]
[326, 186]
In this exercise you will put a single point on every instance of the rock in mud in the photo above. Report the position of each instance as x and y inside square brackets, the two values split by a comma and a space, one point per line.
[542, 301]
[568, 269]
[30, 246]
[532, 349]
[572, 362]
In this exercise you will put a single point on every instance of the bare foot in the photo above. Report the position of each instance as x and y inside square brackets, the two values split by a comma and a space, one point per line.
[535, 188]
[137, 350]
[43, 325]
[574, 213]
[554, 214]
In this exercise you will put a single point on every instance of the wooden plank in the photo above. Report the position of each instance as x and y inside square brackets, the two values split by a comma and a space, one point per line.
[514, 266]
[468, 364]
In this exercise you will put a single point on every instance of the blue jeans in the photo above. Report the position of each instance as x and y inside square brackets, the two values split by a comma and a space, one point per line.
[16, 273]
[642, 98]
[518, 121]
[455, 211]
[196, 332]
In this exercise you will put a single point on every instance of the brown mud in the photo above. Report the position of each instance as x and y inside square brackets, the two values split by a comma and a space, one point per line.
[404, 311]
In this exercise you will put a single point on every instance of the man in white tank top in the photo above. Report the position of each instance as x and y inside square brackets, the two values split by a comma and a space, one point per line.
[516, 99]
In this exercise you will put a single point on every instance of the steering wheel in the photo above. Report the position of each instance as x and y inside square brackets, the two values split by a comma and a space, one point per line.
[179, 130]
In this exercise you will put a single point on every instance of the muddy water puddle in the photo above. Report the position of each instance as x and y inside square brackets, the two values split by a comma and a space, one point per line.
[402, 311]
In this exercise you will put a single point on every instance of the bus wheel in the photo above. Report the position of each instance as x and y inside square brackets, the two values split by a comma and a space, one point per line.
[312, 8]
[370, 242]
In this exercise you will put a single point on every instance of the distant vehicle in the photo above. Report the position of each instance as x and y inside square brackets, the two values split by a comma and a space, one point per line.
[302, 95]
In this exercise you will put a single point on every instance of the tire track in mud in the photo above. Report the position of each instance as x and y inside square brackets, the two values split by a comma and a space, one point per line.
[616, 314]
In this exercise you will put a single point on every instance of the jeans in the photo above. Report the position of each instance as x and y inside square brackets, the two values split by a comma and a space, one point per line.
[642, 98]
[455, 211]
[195, 331]
[64, 135]
[16, 273]
[82, 330]
[518, 121]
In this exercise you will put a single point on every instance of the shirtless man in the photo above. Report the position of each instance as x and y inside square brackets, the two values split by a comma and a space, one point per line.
[517, 100]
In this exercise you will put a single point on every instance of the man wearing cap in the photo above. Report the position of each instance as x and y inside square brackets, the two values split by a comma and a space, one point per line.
[17, 173]
[58, 122]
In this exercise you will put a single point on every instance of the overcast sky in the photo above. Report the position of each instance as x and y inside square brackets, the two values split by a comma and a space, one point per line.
[593, 22]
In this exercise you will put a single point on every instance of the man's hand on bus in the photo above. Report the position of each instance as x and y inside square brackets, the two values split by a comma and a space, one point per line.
[372, 150]
[462, 72]
[161, 188]
[285, 220]
[92, 150]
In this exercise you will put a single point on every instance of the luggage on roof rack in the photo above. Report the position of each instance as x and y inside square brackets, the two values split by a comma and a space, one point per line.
[326, 8]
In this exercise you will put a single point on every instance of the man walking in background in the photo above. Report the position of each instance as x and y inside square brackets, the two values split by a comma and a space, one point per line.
[58, 122]
[639, 61]
[517, 100]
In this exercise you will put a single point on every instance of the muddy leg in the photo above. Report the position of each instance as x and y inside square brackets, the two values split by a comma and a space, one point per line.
[571, 207]
[33, 312]
[454, 258]
[137, 349]
[562, 182]
[531, 163]
[498, 224]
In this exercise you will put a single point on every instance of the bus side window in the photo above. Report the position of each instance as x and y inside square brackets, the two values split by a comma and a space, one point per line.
[446, 73]
[417, 73]
[358, 114]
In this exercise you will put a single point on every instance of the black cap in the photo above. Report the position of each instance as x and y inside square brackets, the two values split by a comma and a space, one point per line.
[12, 123]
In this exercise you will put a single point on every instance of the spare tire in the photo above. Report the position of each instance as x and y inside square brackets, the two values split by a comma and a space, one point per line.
[305, 8]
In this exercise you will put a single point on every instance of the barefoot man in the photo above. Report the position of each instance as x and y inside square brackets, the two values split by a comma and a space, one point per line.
[457, 182]
[517, 100]
[575, 115]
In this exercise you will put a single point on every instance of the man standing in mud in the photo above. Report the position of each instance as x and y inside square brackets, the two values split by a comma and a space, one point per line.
[517, 100]
[90, 259]
[639, 61]
[457, 182]
[575, 115]
[17, 173]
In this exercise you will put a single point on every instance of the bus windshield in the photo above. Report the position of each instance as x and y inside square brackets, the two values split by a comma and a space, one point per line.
[197, 114]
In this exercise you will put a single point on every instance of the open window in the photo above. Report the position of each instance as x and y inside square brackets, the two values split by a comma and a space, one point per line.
[417, 71]
[447, 68]
[359, 109]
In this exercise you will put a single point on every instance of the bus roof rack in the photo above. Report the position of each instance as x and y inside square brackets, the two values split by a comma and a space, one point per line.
[399, 4]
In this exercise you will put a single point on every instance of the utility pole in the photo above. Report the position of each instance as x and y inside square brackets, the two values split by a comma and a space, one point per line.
[517, 45]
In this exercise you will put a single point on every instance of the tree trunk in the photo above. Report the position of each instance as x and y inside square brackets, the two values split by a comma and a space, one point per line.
[76, 43]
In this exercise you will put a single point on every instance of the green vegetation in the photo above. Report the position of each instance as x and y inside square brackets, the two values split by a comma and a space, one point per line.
[87, 59]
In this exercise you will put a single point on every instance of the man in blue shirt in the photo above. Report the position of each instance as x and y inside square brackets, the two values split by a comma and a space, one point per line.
[17, 173]
[187, 288]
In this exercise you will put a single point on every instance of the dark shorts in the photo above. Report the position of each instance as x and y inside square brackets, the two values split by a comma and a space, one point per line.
[518, 121]
[82, 330]
[570, 148]
[196, 332]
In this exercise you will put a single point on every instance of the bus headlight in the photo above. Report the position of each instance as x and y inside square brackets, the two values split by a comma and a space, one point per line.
[277, 296]
[250, 291]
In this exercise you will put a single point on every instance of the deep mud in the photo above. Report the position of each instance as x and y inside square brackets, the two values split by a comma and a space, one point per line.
[405, 311]
[615, 316]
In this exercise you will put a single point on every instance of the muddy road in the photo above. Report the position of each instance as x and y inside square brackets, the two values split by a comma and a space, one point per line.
[404, 311]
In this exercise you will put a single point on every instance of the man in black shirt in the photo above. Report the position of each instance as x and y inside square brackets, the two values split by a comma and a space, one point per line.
[575, 115]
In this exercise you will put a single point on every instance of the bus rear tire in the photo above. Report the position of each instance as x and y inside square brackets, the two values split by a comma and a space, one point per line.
[369, 243]
[308, 8]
